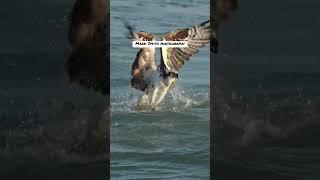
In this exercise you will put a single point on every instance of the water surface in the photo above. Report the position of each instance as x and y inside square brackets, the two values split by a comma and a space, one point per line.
[172, 143]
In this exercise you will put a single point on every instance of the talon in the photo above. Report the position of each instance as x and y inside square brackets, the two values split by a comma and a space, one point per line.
[173, 74]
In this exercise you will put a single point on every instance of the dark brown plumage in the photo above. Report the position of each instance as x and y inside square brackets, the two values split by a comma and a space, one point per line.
[197, 36]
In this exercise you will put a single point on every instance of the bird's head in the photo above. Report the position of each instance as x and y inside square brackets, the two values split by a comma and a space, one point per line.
[144, 36]
[138, 36]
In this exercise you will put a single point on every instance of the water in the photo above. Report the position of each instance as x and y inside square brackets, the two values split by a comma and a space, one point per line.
[173, 142]
[43, 121]
[268, 74]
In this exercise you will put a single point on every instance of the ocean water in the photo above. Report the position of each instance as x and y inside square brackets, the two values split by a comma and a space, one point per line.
[173, 142]
[268, 77]
[43, 121]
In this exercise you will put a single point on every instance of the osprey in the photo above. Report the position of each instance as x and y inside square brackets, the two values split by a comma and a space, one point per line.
[155, 81]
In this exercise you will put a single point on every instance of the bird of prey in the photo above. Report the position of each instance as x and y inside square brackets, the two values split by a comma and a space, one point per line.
[155, 81]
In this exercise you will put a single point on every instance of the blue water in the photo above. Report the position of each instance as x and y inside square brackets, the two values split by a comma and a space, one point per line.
[172, 143]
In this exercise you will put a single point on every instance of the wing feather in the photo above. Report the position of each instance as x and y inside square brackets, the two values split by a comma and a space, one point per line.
[197, 37]
[144, 63]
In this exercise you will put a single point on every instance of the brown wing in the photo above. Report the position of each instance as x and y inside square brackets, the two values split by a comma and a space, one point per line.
[144, 62]
[197, 36]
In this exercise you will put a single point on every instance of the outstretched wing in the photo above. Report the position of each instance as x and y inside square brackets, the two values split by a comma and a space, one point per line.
[173, 59]
[144, 63]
